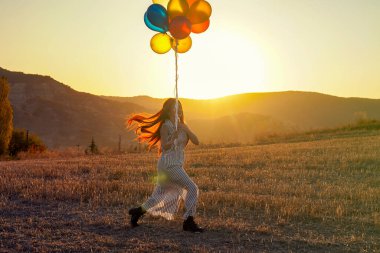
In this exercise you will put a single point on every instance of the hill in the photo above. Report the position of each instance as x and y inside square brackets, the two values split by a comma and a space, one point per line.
[244, 117]
[302, 109]
[65, 117]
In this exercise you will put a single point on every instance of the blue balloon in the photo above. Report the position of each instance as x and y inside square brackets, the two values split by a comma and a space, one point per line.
[151, 26]
[156, 18]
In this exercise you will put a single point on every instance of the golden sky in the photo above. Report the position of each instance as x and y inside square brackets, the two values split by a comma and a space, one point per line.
[102, 47]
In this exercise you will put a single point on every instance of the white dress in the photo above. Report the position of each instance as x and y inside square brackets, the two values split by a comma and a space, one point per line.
[173, 183]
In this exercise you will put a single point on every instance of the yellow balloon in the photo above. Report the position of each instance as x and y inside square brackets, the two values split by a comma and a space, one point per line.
[177, 8]
[161, 43]
[162, 2]
[183, 45]
[199, 12]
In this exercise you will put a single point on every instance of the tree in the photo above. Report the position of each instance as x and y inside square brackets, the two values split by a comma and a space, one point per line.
[6, 116]
[23, 141]
[93, 149]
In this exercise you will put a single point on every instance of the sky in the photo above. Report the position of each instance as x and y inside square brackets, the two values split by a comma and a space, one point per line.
[103, 47]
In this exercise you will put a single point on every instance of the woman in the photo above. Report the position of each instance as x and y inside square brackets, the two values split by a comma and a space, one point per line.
[173, 183]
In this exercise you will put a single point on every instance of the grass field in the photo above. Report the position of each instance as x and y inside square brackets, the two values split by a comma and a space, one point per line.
[311, 196]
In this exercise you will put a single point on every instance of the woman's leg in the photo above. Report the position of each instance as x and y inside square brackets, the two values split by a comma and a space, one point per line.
[160, 192]
[153, 199]
[179, 176]
[165, 199]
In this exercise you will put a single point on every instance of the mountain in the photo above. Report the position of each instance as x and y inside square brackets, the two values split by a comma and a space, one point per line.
[65, 117]
[62, 116]
[303, 110]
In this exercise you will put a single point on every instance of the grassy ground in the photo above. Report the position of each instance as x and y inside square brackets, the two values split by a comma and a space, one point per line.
[318, 196]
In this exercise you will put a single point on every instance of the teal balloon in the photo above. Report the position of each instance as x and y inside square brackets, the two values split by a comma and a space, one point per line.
[151, 26]
[156, 18]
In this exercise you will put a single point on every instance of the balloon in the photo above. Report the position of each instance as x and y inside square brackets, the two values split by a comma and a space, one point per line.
[181, 18]
[182, 45]
[190, 2]
[199, 12]
[157, 16]
[180, 27]
[162, 2]
[177, 8]
[200, 28]
[151, 26]
[161, 43]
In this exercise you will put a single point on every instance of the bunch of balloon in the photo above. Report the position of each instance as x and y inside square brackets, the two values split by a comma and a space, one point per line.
[178, 17]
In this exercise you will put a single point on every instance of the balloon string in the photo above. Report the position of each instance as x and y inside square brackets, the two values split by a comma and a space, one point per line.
[176, 84]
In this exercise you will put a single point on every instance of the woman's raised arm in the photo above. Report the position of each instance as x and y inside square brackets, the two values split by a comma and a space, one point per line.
[193, 138]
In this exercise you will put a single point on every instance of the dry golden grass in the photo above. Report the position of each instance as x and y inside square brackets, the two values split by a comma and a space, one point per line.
[321, 196]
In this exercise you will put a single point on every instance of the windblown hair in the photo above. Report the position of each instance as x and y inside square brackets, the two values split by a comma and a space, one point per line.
[147, 127]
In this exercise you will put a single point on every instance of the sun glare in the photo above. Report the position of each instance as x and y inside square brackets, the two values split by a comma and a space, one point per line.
[221, 65]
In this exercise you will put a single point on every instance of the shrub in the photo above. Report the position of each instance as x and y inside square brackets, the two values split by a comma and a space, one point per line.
[23, 141]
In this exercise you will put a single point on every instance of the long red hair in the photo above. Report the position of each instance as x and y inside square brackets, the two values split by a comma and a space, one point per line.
[147, 127]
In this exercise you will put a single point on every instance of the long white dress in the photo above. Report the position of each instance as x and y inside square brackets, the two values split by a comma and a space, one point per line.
[173, 183]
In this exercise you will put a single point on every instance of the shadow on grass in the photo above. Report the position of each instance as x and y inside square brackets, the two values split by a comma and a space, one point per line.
[64, 227]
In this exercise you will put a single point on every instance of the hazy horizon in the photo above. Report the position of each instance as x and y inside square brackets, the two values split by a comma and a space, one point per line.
[182, 97]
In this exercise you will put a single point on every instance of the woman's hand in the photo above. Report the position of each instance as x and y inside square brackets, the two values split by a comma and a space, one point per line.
[174, 135]
[167, 140]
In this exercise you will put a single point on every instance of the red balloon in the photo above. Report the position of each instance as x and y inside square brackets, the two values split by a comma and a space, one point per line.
[180, 27]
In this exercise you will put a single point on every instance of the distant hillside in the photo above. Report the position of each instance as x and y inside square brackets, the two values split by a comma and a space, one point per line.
[361, 128]
[303, 110]
[237, 128]
[65, 117]
[245, 117]
[151, 104]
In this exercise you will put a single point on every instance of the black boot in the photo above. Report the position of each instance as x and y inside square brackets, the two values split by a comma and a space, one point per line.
[136, 214]
[191, 226]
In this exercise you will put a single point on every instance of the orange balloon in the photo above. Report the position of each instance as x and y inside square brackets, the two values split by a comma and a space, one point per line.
[162, 2]
[190, 2]
[200, 28]
[177, 8]
[180, 27]
[199, 12]
[183, 45]
[161, 43]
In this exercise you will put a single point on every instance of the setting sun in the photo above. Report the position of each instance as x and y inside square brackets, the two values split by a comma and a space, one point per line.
[202, 75]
